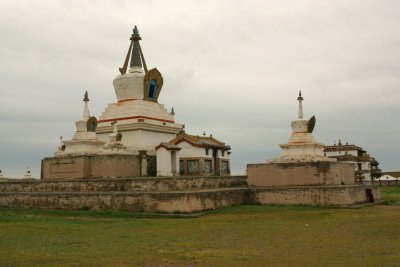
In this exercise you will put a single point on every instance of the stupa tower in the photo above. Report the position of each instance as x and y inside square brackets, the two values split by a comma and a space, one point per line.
[302, 146]
[85, 140]
[142, 121]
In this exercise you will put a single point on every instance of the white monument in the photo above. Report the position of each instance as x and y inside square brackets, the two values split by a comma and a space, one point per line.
[142, 121]
[85, 140]
[302, 146]
[27, 174]
[135, 136]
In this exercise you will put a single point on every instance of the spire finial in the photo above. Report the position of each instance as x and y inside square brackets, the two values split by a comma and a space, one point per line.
[172, 111]
[300, 111]
[86, 113]
[204, 133]
[135, 53]
[86, 97]
[300, 98]
[137, 57]
[135, 30]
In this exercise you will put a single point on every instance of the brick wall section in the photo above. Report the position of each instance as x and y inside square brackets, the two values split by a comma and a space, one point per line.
[315, 195]
[87, 166]
[135, 202]
[317, 173]
[153, 194]
[139, 184]
[168, 194]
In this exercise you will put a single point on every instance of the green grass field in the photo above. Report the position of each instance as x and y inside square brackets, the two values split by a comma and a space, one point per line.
[236, 236]
[391, 193]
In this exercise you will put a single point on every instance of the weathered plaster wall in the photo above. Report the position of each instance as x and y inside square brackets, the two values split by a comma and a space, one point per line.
[168, 194]
[139, 184]
[129, 201]
[177, 194]
[312, 195]
[167, 162]
[102, 166]
[317, 173]
[190, 151]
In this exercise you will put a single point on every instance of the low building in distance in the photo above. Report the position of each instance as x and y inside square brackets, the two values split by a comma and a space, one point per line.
[365, 167]
[392, 173]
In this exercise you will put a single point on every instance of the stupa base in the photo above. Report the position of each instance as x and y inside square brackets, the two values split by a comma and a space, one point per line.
[300, 174]
[335, 195]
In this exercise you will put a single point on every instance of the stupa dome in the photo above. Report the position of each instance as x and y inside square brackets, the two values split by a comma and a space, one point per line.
[129, 86]
[138, 83]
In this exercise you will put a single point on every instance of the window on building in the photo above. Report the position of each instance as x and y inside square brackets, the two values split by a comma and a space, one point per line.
[152, 89]
[224, 167]
[207, 166]
[181, 167]
[193, 166]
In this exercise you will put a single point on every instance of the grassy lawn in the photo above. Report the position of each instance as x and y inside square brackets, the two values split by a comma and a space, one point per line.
[236, 236]
[391, 193]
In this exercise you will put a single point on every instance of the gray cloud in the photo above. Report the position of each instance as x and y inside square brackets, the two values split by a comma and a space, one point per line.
[231, 68]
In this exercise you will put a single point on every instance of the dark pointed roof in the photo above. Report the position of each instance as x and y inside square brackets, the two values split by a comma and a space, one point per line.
[135, 57]
[135, 54]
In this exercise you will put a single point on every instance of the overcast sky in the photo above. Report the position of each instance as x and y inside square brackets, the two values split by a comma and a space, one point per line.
[231, 68]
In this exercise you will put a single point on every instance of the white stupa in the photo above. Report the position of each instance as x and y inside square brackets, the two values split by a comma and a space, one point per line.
[302, 146]
[85, 139]
[27, 174]
[142, 121]
[115, 145]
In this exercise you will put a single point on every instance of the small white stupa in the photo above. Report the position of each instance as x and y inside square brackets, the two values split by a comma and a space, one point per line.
[85, 139]
[115, 145]
[302, 146]
[27, 174]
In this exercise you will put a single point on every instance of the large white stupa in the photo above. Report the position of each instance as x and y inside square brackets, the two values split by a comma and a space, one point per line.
[136, 135]
[142, 121]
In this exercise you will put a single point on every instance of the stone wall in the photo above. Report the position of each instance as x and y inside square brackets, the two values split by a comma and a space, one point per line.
[89, 166]
[312, 195]
[169, 202]
[168, 194]
[139, 184]
[176, 194]
[310, 173]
